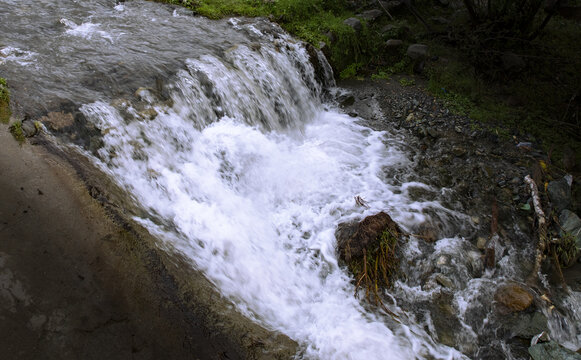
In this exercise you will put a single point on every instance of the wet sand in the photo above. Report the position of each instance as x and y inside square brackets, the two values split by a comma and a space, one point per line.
[76, 283]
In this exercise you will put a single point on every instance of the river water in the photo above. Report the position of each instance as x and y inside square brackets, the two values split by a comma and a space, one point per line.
[219, 133]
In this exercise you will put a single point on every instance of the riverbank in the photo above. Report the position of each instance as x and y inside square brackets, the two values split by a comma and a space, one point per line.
[77, 281]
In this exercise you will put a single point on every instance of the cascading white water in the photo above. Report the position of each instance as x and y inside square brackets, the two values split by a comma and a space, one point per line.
[238, 165]
[249, 176]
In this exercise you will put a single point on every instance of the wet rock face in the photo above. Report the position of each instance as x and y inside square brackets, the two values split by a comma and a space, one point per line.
[513, 297]
[552, 350]
[559, 192]
[355, 238]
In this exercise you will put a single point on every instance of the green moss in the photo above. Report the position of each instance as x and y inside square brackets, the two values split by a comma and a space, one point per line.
[16, 131]
[4, 102]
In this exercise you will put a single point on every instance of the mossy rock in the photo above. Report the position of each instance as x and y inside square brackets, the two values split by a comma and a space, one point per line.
[368, 248]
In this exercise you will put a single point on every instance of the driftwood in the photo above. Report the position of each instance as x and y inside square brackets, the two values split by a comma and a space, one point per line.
[384, 9]
[541, 227]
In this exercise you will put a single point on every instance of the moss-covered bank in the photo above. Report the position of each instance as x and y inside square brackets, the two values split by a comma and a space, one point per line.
[4, 102]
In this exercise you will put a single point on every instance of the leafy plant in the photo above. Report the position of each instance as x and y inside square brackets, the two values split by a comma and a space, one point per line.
[406, 82]
[17, 132]
[350, 71]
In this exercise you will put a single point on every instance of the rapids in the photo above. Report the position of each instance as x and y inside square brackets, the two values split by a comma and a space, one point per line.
[221, 133]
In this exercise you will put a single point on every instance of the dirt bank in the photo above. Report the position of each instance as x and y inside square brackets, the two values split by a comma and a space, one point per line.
[79, 282]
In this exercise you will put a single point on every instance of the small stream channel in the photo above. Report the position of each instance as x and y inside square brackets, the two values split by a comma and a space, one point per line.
[231, 150]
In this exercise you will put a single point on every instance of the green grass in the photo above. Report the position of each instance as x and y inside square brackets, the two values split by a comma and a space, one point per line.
[4, 102]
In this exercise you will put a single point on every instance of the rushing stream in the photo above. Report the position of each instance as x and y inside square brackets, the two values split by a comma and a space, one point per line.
[219, 133]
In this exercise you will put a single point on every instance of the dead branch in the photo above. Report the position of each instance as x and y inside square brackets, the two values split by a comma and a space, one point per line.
[541, 226]
[384, 9]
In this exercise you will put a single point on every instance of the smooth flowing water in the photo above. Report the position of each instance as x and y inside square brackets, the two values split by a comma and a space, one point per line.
[237, 163]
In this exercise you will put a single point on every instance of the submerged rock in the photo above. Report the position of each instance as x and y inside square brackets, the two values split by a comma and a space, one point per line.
[514, 297]
[552, 351]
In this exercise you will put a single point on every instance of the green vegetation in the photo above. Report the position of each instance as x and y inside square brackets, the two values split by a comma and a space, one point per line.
[17, 132]
[566, 250]
[407, 82]
[507, 64]
[315, 21]
[4, 102]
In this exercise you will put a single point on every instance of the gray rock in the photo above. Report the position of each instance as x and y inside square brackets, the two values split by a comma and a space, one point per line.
[527, 325]
[388, 28]
[417, 51]
[570, 223]
[392, 5]
[559, 192]
[354, 23]
[371, 15]
[444, 281]
[29, 128]
[552, 351]
[346, 100]
[393, 43]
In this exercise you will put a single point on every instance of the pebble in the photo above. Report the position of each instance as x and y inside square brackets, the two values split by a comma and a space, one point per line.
[481, 243]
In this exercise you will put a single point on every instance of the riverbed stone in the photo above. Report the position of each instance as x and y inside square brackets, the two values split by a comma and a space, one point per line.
[571, 224]
[514, 297]
[559, 192]
[393, 43]
[354, 23]
[444, 281]
[552, 351]
[371, 15]
[417, 51]
[527, 325]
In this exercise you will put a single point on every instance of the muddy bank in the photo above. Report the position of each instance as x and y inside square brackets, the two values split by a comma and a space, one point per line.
[77, 280]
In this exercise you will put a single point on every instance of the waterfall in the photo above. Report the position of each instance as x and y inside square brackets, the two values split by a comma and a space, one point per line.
[220, 134]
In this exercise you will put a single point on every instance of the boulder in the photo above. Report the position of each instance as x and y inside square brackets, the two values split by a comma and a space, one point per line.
[58, 120]
[552, 351]
[393, 43]
[392, 5]
[354, 23]
[526, 325]
[514, 297]
[417, 51]
[559, 192]
[355, 238]
[571, 224]
[371, 15]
